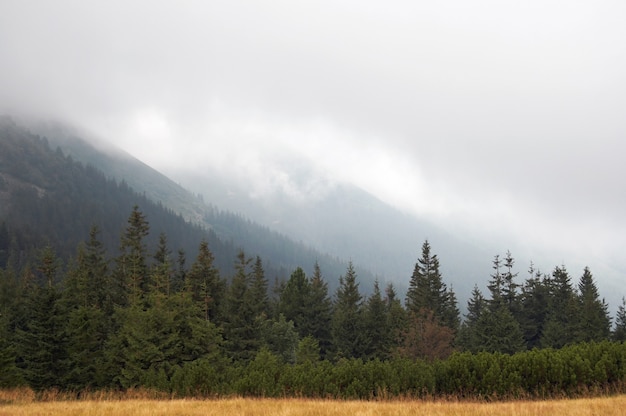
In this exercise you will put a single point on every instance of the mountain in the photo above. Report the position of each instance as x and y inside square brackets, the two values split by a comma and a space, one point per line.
[343, 220]
[351, 223]
[54, 187]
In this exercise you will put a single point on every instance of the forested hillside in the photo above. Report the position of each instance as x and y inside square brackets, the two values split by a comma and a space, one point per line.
[102, 288]
[48, 197]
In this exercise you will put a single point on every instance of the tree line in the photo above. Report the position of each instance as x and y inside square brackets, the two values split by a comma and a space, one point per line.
[145, 318]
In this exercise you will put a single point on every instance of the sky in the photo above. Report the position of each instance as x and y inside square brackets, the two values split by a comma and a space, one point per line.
[500, 120]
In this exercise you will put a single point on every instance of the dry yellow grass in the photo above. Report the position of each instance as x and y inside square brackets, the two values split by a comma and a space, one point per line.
[287, 407]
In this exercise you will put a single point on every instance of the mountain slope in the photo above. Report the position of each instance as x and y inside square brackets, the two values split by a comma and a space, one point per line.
[351, 223]
[49, 197]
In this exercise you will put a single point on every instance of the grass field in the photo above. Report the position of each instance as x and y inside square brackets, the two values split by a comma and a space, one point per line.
[285, 407]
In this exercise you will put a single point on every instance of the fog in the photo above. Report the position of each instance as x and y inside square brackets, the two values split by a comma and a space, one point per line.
[502, 122]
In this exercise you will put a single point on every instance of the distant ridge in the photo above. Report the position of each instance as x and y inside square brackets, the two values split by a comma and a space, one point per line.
[69, 184]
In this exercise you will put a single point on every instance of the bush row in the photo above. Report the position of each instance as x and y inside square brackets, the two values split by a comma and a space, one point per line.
[581, 369]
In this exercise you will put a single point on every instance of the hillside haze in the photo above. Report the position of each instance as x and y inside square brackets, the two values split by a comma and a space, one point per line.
[53, 195]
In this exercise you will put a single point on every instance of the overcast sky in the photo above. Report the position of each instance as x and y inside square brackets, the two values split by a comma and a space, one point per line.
[500, 119]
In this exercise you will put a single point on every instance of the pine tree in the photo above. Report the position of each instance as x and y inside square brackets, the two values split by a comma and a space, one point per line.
[241, 328]
[535, 302]
[426, 289]
[427, 292]
[396, 317]
[161, 274]
[619, 332]
[204, 285]
[132, 270]
[347, 322]
[509, 286]
[377, 329]
[469, 337]
[497, 328]
[562, 324]
[496, 285]
[319, 312]
[595, 323]
[498, 331]
[294, 301]
[259, 299]
[10, 375]
[41, 343]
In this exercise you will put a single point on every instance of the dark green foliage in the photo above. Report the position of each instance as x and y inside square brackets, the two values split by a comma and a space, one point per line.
[319, 312]
[563, 318]
[535, 301]
[40, 343]
[204, 285]
[347, 324]
[619, 332]
[469, 334]
[10, 375]
[69, 322]
[132, 270]
[293, 301]
[377, 328]
[241, 327]
[281, 338]
[427, 291]
[595, 323]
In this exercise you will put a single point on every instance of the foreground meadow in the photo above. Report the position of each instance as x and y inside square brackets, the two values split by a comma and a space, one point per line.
[285, 407]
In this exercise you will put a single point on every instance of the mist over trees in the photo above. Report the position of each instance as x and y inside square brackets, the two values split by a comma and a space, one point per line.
[136, 319]
[190, 314]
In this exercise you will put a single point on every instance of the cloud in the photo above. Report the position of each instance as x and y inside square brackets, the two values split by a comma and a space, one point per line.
[500, 120]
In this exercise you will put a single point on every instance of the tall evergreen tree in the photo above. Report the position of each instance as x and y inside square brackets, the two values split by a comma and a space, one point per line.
[347, 323]
[427, 291]
[259, 298]
[469, 336]
[241, 328]
[498, 330]
[535, 300]
[562, 324]
[161, 274]
[40, 343]
[510, 295]
[595, 323]
[396, 316]
[319, 312]
[294, 301]
[204, 285]
[132, 269]
[377, 329]
[619, 332]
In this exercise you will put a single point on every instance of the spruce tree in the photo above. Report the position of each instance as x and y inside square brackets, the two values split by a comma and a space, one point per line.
[562, 324]
[595, 323]
[469, 336]
[396, 316]
[427, 291]
[241, 328]
[294, 302]
[204, 285]
[259, 298]
[347, 322]
[161, 273]
[497, 328]
[376, 324]
[619, 332]
[535, 300]
[132, 269]
[319, 312]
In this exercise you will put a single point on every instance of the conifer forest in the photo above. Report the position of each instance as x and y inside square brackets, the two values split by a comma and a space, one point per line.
[142, 318]
[169, 306]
